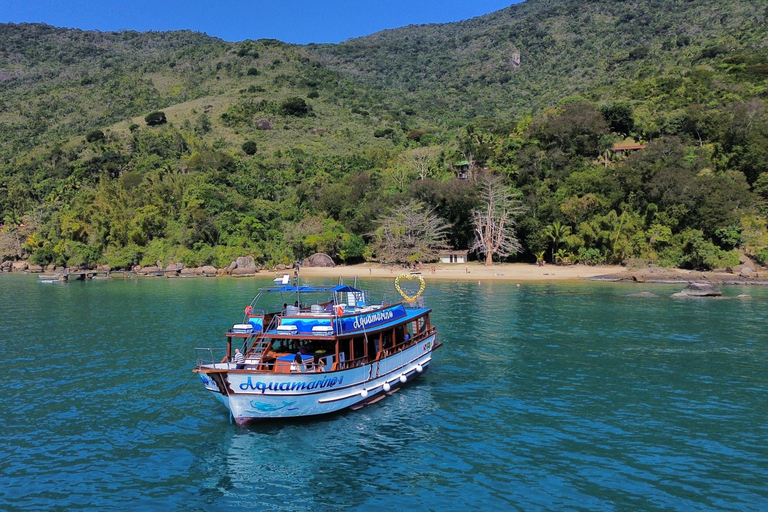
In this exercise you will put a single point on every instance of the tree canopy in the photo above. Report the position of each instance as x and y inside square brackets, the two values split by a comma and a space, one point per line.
[314, 150]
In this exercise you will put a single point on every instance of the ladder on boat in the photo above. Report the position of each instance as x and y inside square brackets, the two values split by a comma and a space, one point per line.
[257, 348]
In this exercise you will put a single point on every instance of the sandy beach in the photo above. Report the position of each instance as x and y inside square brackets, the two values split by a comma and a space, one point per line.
[469, 271]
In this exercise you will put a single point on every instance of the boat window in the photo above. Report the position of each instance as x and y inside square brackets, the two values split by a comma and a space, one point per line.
[359, 348]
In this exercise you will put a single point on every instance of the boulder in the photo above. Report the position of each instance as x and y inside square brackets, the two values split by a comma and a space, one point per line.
[245, 262]
[319, 259]
[20, 266]
[148, 270]
[699, 290]
[207, 269]
[745, 272]
[35, 269]
[174, 267]
[245, 271]
[189, 271]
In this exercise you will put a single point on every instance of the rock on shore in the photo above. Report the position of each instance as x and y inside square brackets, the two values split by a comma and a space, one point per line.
[698, 290]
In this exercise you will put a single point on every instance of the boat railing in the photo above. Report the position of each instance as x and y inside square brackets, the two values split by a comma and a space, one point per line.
[417, 338]
[273, 323]
[352, 363]
[418, 303]
[253, 313]
[207, 356]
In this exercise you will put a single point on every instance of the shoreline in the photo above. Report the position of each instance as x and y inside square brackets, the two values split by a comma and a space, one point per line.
[473, 271]
[524, 272]
[466, 271]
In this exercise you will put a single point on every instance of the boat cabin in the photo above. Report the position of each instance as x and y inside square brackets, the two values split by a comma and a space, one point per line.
[341, 333]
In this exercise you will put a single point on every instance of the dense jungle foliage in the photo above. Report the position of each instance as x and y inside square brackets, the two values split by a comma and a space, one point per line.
[130, 148]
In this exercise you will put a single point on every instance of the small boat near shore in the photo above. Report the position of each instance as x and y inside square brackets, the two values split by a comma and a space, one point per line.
[311, 350]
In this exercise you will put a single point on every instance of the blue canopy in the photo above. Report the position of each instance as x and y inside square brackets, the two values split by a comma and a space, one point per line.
[310, 289]
[345, 288]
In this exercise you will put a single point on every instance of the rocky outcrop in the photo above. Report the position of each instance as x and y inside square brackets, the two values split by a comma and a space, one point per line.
[697, 290]
[243, 266]
[245, 262]
[643, 295]
[143, 271]
[319, 259]
[244, 271]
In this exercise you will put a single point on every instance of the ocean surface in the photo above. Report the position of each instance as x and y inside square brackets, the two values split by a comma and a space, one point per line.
[574, 396]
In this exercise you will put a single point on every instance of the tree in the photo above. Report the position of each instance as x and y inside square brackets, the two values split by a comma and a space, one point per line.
[421, 160]
[155, 118]
[409, 233]
[557, 232]
[249, 147]
[294, 106]
[95, 136]
[494, 221]
[619, 117]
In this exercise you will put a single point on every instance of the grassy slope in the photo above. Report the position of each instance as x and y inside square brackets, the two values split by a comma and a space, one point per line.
[64, 83]
[59, 83]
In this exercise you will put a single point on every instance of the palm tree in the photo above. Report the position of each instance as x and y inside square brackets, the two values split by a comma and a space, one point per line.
[557, 232]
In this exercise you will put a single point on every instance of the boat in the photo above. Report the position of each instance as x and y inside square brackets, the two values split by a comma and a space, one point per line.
[303, 350]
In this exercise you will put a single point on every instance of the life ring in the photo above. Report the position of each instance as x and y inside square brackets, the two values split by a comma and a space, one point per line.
[248, 310]
[339, 310]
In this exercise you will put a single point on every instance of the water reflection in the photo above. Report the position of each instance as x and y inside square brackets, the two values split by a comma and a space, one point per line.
[323, 462]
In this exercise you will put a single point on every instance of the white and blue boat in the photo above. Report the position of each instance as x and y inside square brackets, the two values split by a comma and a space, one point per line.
[310, 350]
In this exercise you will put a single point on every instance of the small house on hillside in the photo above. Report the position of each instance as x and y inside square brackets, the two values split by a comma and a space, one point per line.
[453, 256]
[462, 169]
[626, 147]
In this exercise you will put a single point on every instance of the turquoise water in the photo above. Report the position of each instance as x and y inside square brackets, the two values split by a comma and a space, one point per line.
[544, 397]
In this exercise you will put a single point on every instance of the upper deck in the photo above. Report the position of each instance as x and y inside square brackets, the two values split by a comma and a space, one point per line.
[343, 310]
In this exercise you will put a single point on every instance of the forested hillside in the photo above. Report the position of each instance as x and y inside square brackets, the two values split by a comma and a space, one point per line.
[532, 54]
[128, 148]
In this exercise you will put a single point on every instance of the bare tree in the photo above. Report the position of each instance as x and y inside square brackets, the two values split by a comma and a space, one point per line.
[411, 232]
[421, 160]
[494, 221]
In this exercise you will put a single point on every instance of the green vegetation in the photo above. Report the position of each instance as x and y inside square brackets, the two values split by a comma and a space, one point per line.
[130, 148]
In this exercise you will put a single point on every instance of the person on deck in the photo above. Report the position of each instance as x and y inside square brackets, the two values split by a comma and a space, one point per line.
[239, 360]
[298, 364]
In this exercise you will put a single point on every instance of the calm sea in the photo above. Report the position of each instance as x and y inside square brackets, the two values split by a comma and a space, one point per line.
[571, 396]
